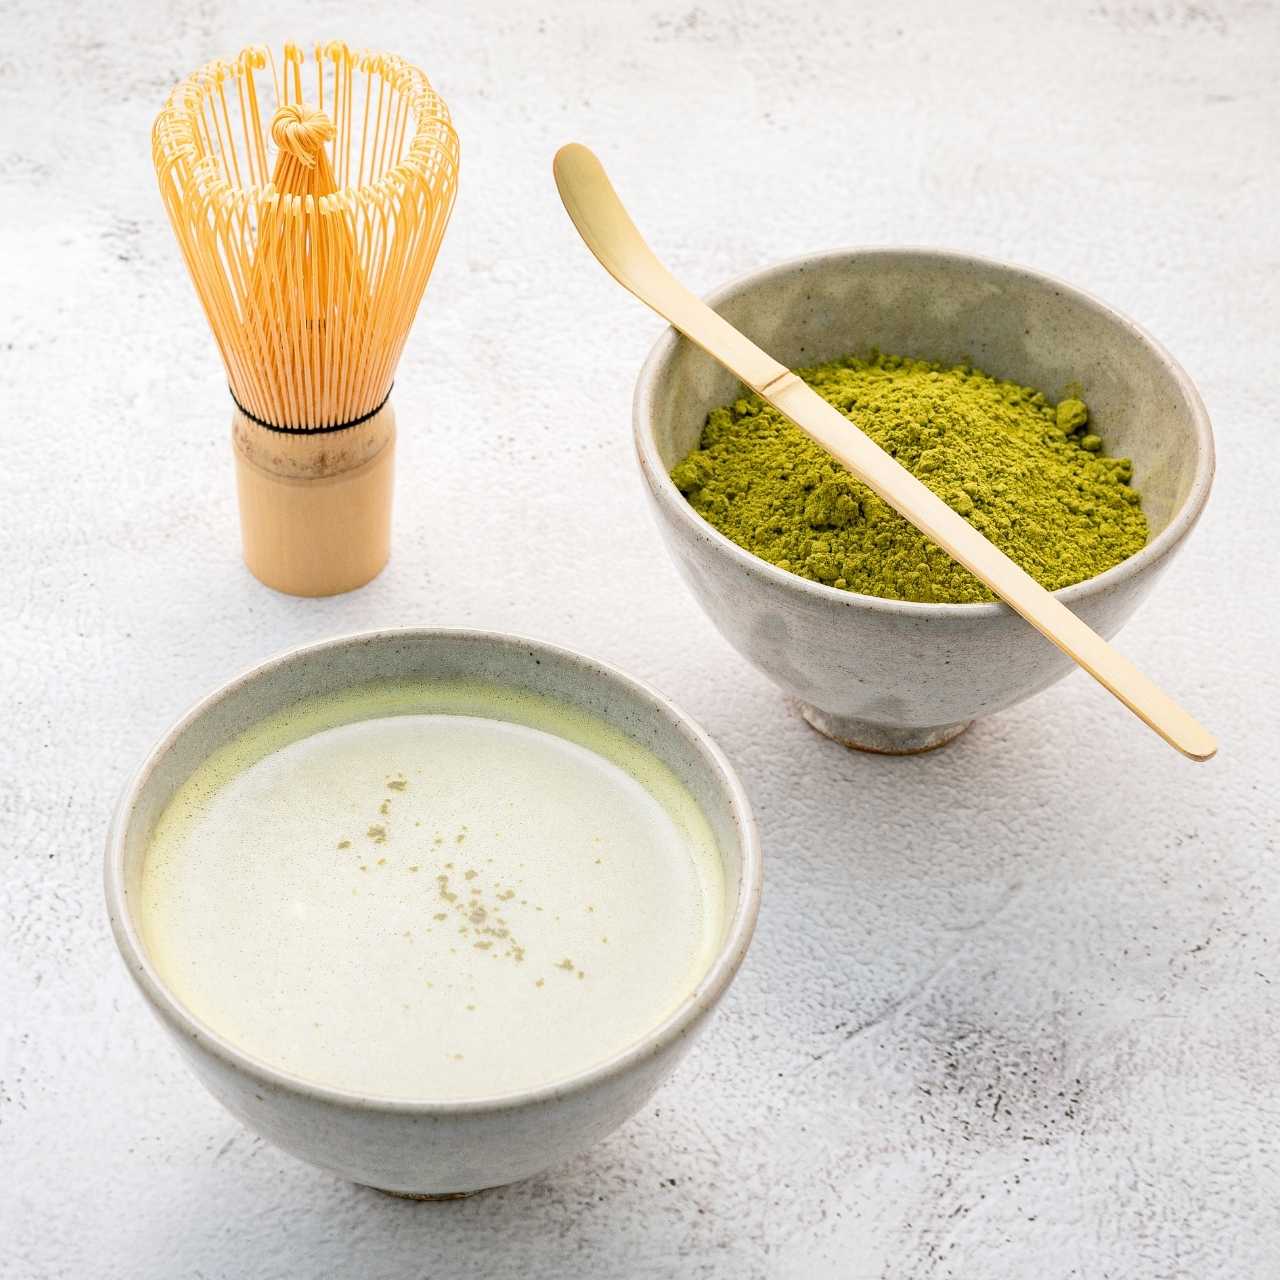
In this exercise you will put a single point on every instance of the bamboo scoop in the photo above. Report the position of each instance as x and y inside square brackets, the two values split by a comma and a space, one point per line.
[604, 224]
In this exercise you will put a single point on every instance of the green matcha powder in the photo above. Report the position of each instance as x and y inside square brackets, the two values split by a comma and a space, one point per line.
[1030, 475]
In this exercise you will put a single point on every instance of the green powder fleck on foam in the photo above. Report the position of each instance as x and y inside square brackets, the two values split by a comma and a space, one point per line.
[1027, 473]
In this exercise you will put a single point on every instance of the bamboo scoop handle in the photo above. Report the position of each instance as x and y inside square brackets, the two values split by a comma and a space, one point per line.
[604, 224]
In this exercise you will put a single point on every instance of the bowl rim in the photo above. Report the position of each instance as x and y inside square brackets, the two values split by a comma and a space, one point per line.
[729, 956]
[670, 499]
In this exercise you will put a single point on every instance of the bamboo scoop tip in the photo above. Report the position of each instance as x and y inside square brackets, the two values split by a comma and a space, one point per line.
[1177, 726]
[601, 220]
[1197, 744]
[569, 167]
[571, 153]
[574, 167]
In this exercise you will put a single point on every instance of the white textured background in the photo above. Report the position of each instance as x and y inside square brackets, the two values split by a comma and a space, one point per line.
[1009, 1011]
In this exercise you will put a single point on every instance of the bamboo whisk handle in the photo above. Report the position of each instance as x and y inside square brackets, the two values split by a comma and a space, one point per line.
[315, 507]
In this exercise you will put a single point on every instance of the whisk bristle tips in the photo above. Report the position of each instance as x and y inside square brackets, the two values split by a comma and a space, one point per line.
[310, 263]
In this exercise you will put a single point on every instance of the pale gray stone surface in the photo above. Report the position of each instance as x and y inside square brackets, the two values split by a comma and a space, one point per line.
[1010, 1008]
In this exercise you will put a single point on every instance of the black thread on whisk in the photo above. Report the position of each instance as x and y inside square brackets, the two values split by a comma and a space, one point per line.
[312, 431]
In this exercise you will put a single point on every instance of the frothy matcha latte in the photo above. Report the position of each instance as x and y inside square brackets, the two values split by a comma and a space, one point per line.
[432, 891]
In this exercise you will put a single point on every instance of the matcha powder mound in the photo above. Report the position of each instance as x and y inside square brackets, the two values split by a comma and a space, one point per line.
[1030, 475]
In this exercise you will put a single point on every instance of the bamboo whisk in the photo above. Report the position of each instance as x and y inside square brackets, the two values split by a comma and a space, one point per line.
[310, 269]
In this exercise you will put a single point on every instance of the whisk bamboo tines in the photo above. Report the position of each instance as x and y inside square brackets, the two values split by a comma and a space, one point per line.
[310, 268]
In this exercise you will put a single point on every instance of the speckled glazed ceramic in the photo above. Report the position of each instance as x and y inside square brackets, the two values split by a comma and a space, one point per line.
[424, 1148]
[896, 676]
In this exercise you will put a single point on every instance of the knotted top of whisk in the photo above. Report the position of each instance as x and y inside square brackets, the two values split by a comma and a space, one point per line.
[302, 131]
[310, 240]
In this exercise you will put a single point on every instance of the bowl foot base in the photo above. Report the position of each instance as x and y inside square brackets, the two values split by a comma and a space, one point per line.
[883, 739]
[436, 1195]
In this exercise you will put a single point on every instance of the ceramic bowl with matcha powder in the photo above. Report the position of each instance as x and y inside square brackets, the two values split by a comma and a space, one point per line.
[1058, 427]
[432, 909]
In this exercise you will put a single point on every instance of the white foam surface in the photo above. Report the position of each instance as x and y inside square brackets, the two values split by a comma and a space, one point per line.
[432, 906]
